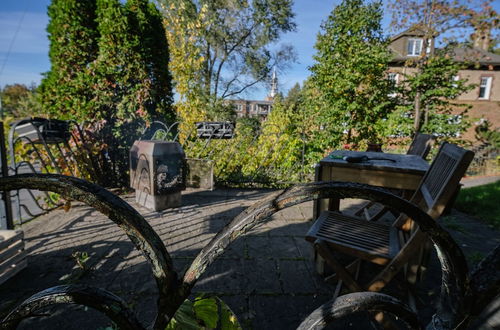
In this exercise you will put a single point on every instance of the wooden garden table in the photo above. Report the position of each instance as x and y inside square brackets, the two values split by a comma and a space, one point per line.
[404, 172]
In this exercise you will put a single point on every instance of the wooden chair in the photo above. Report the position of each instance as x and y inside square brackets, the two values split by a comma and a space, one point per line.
[392, 246]
[421, 145]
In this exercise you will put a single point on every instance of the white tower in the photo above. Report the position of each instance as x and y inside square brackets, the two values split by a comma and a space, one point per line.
[274, 86]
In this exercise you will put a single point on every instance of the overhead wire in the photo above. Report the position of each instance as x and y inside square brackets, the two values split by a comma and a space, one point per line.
[9, 50]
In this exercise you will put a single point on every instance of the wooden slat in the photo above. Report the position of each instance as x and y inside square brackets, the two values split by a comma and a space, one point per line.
[324, 250]
[11, 250]
[13, 271]
[12, 262]
[397, 262]
[379, 178]
[421, 145]
[9, 236]
[372, 239]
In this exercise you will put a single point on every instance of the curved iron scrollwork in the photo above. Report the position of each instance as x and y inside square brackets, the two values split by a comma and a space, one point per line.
[456, 291]
[101, 300]
[355, 302]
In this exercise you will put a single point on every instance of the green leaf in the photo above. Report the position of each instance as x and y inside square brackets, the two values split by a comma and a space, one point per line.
[228, 319]
[184, 318]
[206, 310]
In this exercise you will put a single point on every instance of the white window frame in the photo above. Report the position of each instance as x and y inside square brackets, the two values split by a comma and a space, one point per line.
[487, 87]
[414, 42]
[428, 49]
[393, 76]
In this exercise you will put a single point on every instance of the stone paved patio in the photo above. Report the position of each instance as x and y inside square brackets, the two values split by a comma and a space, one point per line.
[266, 277]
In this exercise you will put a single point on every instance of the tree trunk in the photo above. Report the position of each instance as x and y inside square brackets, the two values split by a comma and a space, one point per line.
[418, 113]
[426, 116]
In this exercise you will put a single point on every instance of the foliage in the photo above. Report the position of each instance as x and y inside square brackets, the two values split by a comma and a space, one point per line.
[439, 20]
[486, 133]
[19, 100]
[349, 88]
[204, 313]
[482, 202]
[280, 143]
[72, 32]
[222, 48]
[117, 75]
[437, 90]
[273, 152]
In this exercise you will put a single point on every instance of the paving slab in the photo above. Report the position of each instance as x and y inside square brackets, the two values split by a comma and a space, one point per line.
[266, 276]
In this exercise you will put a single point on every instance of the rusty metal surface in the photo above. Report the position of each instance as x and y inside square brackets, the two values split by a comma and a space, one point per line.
[359, 302]
[101, 300]
[452, 310]
[454, 267]
[126, 217]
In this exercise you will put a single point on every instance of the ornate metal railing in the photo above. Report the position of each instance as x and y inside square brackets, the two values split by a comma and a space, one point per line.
[462, 295]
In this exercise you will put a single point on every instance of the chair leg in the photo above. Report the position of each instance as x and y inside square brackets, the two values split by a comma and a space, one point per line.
[363, 208]
[352, 268]
[338, 287]
[323, 249]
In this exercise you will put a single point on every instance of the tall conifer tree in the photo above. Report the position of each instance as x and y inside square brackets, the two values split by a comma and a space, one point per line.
[73, 45]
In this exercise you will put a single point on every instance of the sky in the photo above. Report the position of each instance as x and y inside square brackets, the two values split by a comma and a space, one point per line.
[24, 44]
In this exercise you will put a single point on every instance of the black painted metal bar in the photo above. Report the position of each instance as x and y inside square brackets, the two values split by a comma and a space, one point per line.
[456, 290]
[101, 300]
[454, 267]
[127, 218]
[356, 302]
[9, 219]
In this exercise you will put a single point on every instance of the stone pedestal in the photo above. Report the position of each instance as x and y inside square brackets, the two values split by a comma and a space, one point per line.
[158, 202]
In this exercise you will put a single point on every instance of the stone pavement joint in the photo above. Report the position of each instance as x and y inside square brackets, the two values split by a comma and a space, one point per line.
[289, 291]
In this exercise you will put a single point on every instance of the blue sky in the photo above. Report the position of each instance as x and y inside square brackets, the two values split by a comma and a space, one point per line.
[23, 23]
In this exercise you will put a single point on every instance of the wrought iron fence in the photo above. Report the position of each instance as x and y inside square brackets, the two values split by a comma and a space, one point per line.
[264, 156]
[463, 295]
[30, 151]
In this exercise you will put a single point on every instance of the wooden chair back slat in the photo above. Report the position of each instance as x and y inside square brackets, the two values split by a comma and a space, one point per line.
[421, 145]
[440, 181]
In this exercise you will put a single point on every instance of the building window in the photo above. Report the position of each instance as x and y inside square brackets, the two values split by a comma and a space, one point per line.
[485, 88]
[394, 79]
[455, 80]
[414, 47]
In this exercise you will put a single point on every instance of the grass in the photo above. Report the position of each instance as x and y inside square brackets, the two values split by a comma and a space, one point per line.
[482, 202]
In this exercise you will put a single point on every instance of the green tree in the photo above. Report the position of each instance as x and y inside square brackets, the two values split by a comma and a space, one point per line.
[222, 48]
[145, 21]
[72, 31]
[124, 84]
[437, 88]
[437, 19]
[19, 100]
[349, 88]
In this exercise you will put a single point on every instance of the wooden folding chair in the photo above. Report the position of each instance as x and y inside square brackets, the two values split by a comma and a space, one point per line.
[421, 145]
[395, 246]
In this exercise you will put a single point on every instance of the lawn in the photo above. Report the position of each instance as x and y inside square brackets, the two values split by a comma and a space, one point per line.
[482, 202]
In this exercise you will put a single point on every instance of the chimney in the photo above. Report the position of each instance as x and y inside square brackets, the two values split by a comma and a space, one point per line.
[482, 38]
